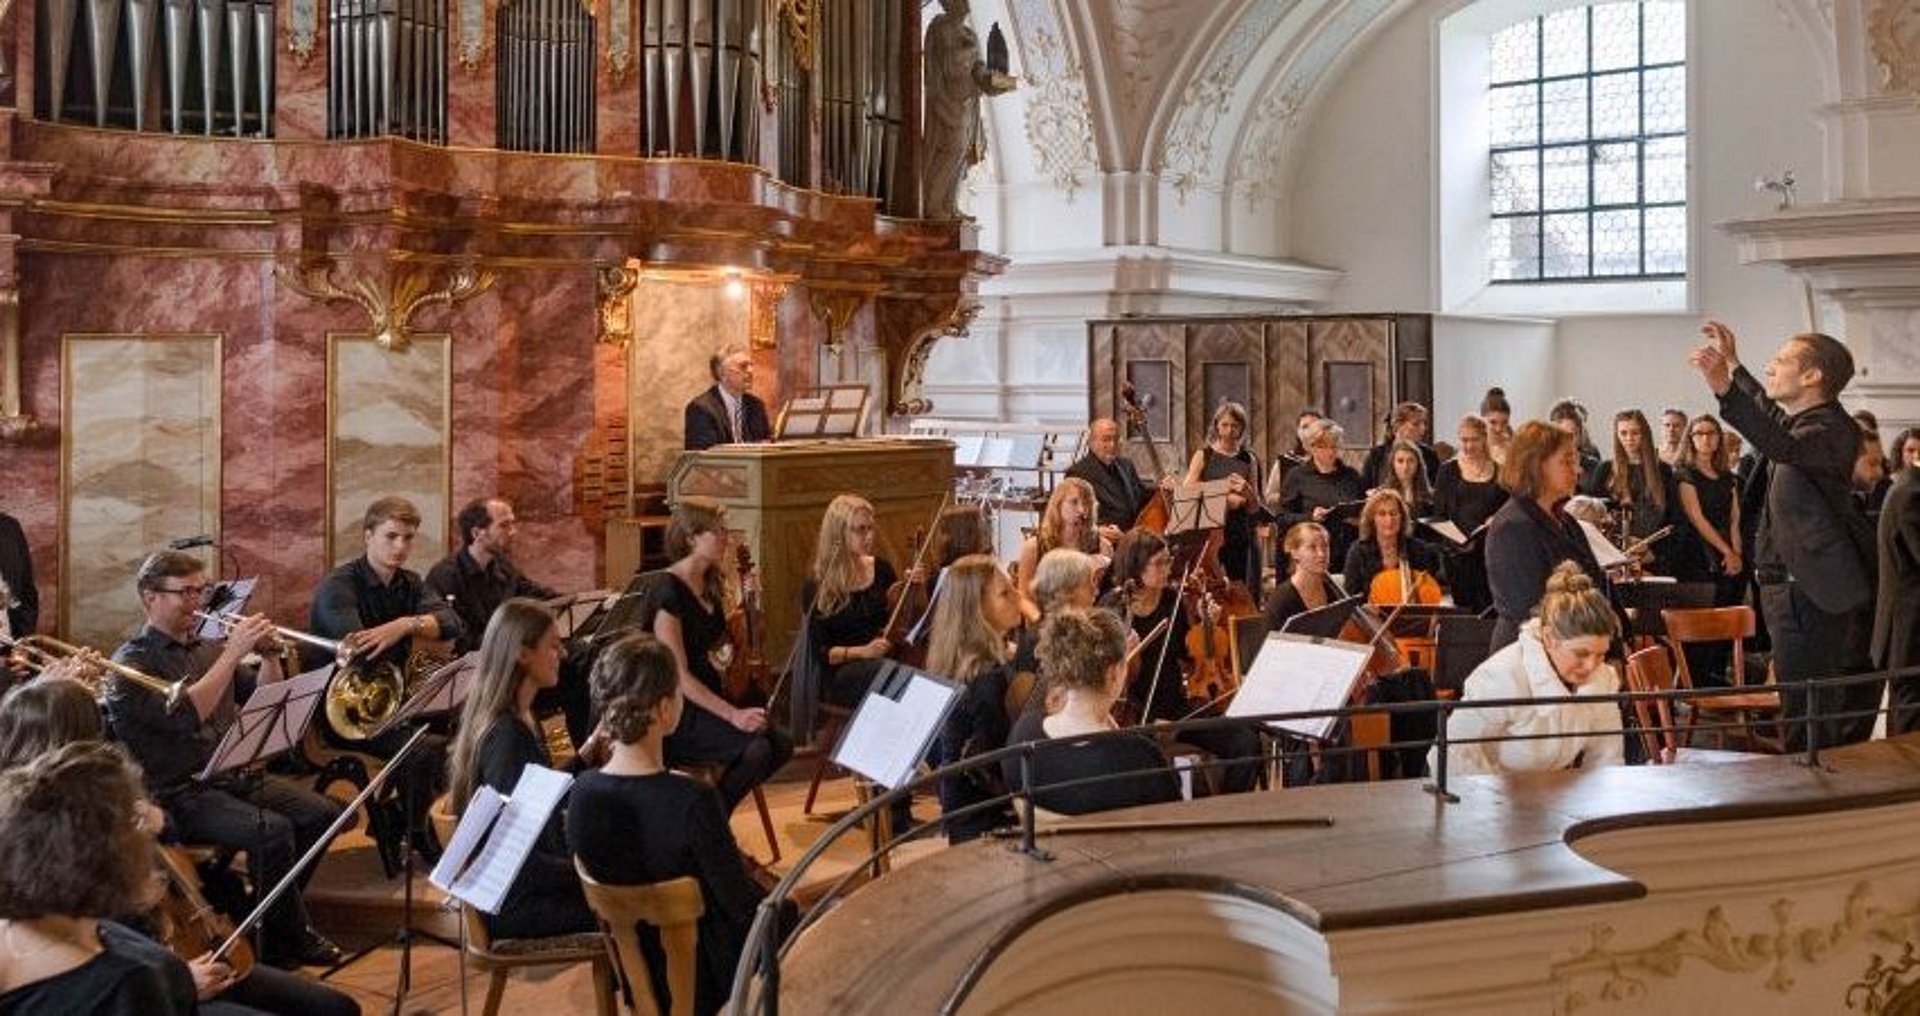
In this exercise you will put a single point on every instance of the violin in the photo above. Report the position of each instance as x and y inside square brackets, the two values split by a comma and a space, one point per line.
[907, 604]
[1156, 513]
[748, 678]
[186, 922]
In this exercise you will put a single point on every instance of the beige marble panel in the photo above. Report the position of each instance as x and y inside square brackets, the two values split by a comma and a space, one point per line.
[140, 465]
[389, 431]
[677, 326]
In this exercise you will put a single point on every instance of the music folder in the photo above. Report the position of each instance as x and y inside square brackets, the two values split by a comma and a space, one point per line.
[1297, 674]
[895, 724]
[495, 836]
[1457, 539]
[227, 597]
[270, 722]
[439, 692]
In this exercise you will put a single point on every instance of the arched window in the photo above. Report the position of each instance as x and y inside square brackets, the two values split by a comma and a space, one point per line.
[1587, 144]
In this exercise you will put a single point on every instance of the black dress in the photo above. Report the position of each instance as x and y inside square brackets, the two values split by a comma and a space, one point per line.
[132, 976]
[1065, 760]
[1306, 488]
[1715, 495]
[1239, 551]
[978, 724]
[633, 830]
[1364, 562]
[702, 737]
[1467, 504]
[859, 621]
[1524, 544]
[1670, 554]
[545, 898]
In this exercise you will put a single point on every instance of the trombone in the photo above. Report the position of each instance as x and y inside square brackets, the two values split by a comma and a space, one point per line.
[360, 697]
[42, 651]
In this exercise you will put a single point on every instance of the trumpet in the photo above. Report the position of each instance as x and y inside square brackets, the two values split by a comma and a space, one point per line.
[42, 651]
[360, 696]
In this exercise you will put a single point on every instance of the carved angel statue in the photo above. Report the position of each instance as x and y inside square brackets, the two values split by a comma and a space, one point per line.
[956, 79]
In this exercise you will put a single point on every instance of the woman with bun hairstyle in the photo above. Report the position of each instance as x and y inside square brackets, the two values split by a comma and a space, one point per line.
[1559, 658]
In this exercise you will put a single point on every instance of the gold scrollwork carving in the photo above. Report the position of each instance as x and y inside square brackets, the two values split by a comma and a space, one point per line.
[763, 311]
[1624, 972]
[801, 17]
[391, 302]
[836, 308]
[16, 426]
[616, 303]
[1888, 988]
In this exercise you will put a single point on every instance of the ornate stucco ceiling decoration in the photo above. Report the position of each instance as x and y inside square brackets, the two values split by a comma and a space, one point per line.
[1893, 31]
[1138, 46]
[1187, 158]
[1059, 125]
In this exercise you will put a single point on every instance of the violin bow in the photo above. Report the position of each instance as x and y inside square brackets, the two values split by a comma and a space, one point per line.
[919, 556]
[1159, 665]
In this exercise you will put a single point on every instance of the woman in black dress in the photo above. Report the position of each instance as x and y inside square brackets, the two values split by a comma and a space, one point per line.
[1532, 533]
[1312, 492]
[1710, 501]
[1406, 475]
[1307, 586]
[1226, 457]
[519, 656]
[1387, 542]
[846, 599]
[634, 821]
[692, 622]
[1467, 493]
[976, 612]
[1570, 416]
[1636, 479]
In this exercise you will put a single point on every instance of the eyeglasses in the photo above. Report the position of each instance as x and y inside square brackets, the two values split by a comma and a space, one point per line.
[190, 592]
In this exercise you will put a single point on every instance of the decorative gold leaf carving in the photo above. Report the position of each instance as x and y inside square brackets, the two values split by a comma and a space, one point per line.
[390, 303]
[616, 303]
[1893, 32]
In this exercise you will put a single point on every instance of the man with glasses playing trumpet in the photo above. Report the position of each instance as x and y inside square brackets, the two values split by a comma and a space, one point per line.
[273, 818]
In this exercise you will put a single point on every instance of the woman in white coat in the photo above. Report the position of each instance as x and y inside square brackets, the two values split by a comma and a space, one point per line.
[1559, 658]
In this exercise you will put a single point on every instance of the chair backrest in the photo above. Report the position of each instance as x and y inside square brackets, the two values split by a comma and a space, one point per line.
[444, 821]
[1709, 624]
[673, 908]
[1651, 669]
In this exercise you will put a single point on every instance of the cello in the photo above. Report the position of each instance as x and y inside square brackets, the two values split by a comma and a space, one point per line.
[187, 923]
[747, 675]
[1154, 515]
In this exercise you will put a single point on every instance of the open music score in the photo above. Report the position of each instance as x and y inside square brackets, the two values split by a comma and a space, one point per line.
[495, 836]
[826, 411]
[895, 724]
[1296, 674]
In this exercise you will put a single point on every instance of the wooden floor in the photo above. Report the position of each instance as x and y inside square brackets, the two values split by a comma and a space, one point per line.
[352, 900]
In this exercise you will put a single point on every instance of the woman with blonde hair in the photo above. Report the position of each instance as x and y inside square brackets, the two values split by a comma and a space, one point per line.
[846, 599]
[975, 614]
[1313, 492]
[1067, 523]
[1559, 659]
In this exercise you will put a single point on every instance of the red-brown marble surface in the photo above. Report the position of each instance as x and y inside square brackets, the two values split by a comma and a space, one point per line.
[300, 87]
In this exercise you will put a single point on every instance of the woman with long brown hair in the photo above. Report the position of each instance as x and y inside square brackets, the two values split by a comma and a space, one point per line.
[1532, 533]
[976, 612]
[1635, 479]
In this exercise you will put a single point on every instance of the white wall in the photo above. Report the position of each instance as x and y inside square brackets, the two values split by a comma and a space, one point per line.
[1363, 202]
[1471, 355]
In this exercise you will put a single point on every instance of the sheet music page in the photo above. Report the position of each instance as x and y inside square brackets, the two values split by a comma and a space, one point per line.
[1293, 674]
[886, 737]
[485, 883]
[920, 628]
[1604, 552]
[966, 449]
[467, 837]
[1446, 528]
[230, 598]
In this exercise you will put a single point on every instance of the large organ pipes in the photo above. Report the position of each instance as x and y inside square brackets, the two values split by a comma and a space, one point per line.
[387, 72]
[179, 25]
[545, 76]
[60, 16]
[674, 43]
[791, 97]
[653, 95]
[213, 18]
[700, 67]
[103, 37]
[263, 81]
[239, 46]
[143, 20]
[729, 54]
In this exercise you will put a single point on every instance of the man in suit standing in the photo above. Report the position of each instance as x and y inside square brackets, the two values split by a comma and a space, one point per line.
[727, 412]
[1896, 614]
[1811, 557]
[1117, 488]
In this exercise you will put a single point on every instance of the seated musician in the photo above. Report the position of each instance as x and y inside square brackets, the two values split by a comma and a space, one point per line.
[1532, 532]
[961, 531]
[1146, 595]
[1307, 585]
[1311, 492]
[634, 821]
[1558, 658]
[691, 621]
[1226, 456]
[1063, 578]
[1066, 523]
[476, 579]
[728, 412]
[1118, 491]
[40, 717]
[1386, 542]
[498, 737]
[975, 614]
[1083, 656]
[846, 597]
[377, 609]
[273, 818]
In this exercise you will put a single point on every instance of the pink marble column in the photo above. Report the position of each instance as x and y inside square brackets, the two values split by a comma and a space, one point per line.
[300, 78]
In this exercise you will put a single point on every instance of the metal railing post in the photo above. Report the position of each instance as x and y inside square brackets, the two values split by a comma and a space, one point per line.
[1812, 694]
[1028, 831]
[1439, 785]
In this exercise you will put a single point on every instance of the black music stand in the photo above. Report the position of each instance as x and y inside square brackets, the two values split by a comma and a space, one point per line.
[439, 692]
[272, 720]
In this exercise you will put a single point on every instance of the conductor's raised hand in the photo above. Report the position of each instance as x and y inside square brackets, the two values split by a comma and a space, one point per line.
[1715, 358]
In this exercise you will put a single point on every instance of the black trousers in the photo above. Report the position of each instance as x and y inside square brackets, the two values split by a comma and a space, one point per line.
[747, 759]
[271, 990]
[274, 820]
[1811, 647]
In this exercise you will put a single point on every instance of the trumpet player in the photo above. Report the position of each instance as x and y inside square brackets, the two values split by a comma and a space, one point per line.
[273, 818]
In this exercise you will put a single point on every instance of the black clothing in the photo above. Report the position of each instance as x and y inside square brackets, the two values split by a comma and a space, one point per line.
[171, 747]
[1286, 602]
[1364, 562]
[1376, 471]
[1306, 488]
[1896, 615]
[475, 592]
[272, 990]
[633, 830]
[352, 598]
[707, 422]
[1064, 760]
[1524, 544]
[20, 598]
[132, 976]
[545, 898]
[859, 621]
[1468, 504]
[1716, 496]
[1239, 551]
[1644, 518]
[1811, 556]
[749, 758]
[1118, 492]
[977, 725]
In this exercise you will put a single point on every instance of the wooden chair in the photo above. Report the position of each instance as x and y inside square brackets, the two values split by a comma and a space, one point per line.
[833, 720]
[673, 908]
[709, 774]
[1651, 670]
[498, 957]
[1744, 709]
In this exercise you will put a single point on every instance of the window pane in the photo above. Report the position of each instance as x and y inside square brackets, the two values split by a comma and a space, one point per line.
[1564, 182]
[1515, 248]
[1616, 174]
[1616, 242]
[1515, 112]
[1516, 181]
[1564, 42]
[1666, 28]
[1666, 100]
[1666, 241]
[1616, 105]
[1563, 114]
[1616, 36]
[1666, 170]
[1566, 246]
[1516, 52]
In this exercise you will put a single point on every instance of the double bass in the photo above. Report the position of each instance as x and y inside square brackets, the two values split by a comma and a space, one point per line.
[1154, 515]
[748, 679]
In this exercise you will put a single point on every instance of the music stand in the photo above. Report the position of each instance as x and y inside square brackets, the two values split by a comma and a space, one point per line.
[1198, 506]
[273, 720]
[228, 597]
